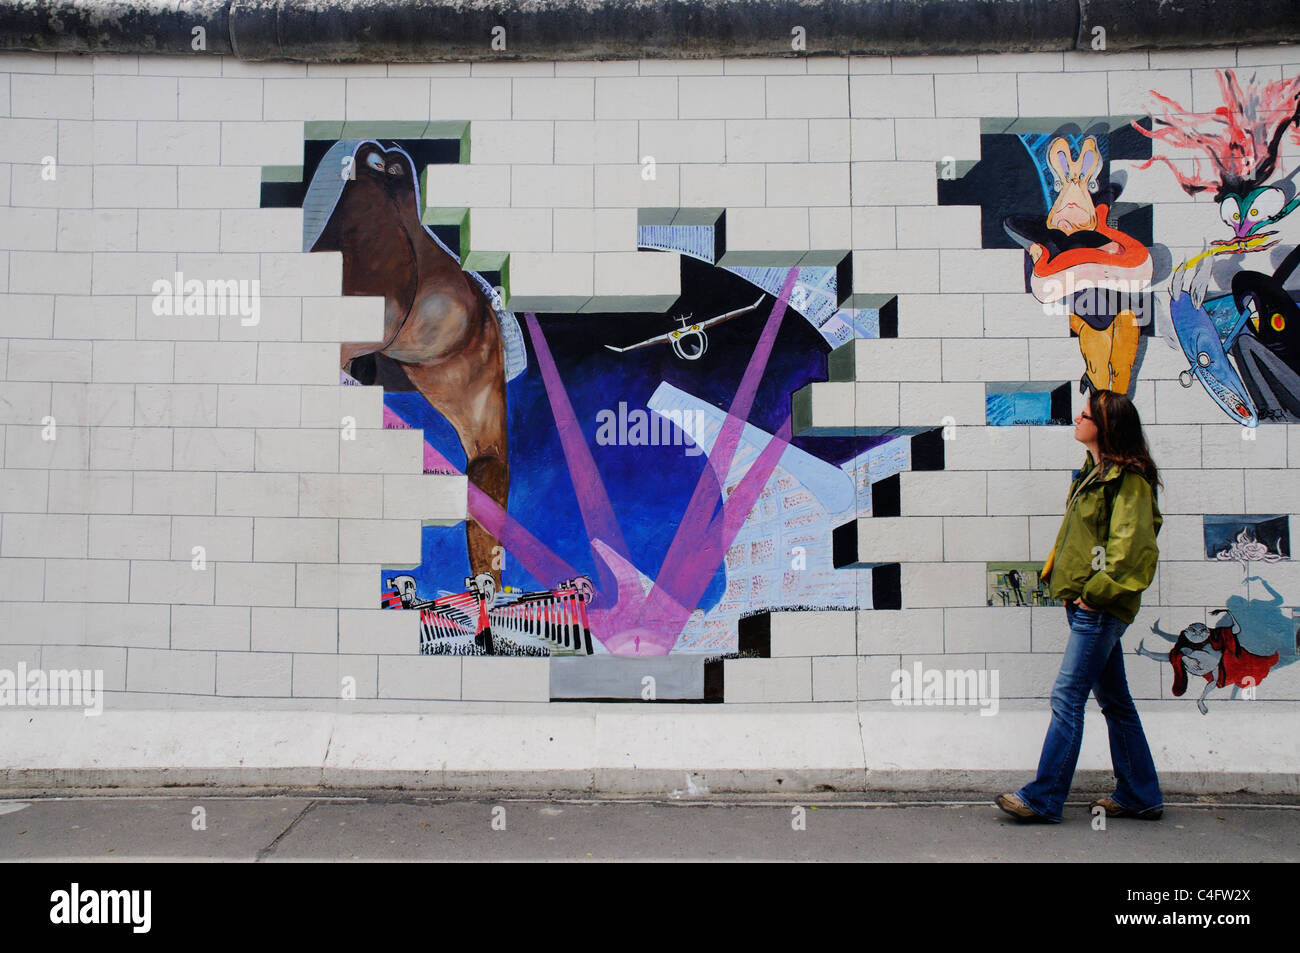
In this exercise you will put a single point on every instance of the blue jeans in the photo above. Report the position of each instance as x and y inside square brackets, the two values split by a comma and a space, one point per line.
[1094, 661]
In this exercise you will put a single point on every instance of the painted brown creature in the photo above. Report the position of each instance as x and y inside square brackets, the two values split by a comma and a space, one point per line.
[439, 326]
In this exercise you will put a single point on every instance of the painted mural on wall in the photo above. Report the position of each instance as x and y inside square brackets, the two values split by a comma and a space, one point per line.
[1231, 313]
[1248, 637]
[1012, 584]
[635, 488]
[1081, 263]
[1095, 262]
[634, 485]
[441, 328]
[1245, 641]
[1048, 187]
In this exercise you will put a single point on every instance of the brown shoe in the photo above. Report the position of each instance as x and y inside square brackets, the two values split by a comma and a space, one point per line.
[1112, 809]
[1020, 810]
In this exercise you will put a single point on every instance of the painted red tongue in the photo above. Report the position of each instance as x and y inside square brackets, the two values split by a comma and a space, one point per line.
[1242, 241]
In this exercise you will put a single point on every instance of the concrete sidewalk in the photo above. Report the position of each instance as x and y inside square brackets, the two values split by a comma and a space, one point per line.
[368, 826]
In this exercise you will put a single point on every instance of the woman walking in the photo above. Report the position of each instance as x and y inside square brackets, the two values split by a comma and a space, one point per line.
[1104, 558]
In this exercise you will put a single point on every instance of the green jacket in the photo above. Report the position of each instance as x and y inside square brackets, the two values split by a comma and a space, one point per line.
[1123, 528]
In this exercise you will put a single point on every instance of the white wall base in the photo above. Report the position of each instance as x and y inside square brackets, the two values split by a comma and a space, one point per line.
[614, 748]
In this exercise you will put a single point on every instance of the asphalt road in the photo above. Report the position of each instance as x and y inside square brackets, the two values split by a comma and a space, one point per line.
[370, 826]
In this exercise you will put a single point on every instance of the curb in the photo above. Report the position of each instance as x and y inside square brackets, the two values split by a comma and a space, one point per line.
[615, 749]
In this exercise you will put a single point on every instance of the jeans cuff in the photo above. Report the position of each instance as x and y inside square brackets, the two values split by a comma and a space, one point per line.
[1028, 802]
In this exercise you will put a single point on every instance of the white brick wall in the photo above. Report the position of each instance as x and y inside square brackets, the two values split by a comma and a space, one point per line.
[174, 434]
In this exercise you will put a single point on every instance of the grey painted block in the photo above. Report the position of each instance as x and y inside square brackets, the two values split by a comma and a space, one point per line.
[292, 451]
[24, 402]
[875, 676]
[767, 680]
[344, 587]
[27, 448]
[131, 537]
[23, 577]
[87, 623]
[110, 661]
[1025, 674]
[223, 538]
[23, 490]
[257, 494]
[674, 677]
[835, 679]
[11, 656]
[379, 631]
[172, 582]
[171, 672]
[295, 630]
[419, 676]
[88, 580]
[84, 491]
[211, 627]
[322, 676]
[39, 534]
[254, 674]
[380, 541]
[813, 633]
[340, 495]
[254, 584]
[326, 405]
[258, 405]
[174, 493]
[506, 679]
[891, 632]
[383, 451]
[295, 540]
[986, 629]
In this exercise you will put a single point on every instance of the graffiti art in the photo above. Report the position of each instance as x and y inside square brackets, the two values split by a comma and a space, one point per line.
[1248, 639]
[1012, 584]
[1218, 306]
[1099, 274]
[1048, 188]
[625, 499]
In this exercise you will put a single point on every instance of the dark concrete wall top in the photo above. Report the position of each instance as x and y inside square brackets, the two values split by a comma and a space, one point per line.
[432, 30]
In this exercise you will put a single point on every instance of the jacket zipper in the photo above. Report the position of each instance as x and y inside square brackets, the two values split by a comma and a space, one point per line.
[1070, 508]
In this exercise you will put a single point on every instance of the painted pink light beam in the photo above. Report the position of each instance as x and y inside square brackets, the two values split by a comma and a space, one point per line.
[531, 553]
[698, 568]
[540, 562]
[660, 616]
[699, 512]
[593, 500]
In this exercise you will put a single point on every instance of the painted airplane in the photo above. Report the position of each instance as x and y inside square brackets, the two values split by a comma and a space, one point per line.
[676, 339]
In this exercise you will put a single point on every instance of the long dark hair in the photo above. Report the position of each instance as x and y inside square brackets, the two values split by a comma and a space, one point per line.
[1119, 434]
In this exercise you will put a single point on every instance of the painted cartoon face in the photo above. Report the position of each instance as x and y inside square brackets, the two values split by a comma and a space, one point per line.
[1246, 215]
[1199, 658]
[384, 168]
[1075, 181]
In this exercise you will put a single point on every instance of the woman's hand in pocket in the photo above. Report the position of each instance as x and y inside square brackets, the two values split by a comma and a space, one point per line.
[1083, 605]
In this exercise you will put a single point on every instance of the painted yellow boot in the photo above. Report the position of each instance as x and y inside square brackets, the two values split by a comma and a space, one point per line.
[1126, 337]
[1095, 346]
